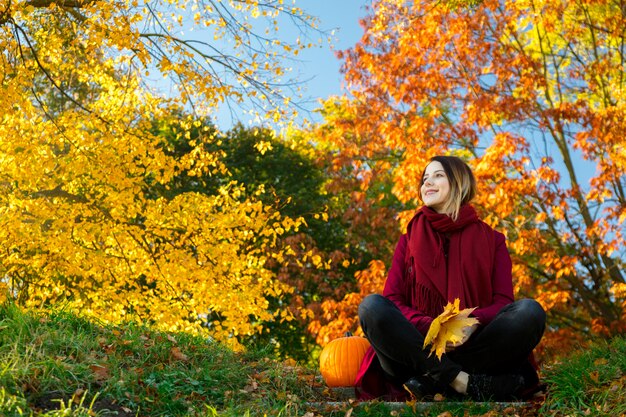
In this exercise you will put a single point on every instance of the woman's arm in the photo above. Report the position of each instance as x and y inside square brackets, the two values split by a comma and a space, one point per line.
[396, 289]
[502, 282]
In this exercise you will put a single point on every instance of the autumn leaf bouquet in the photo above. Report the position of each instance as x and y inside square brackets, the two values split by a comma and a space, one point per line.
[451, 327]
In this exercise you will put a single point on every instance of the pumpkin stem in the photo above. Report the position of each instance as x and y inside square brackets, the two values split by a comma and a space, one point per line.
[347, 334]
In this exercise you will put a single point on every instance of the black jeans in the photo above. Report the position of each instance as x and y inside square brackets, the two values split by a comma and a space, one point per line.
[501, 346]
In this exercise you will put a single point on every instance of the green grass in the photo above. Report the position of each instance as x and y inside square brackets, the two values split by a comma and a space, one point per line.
[59, 364]
[61, 360]
[589, 383]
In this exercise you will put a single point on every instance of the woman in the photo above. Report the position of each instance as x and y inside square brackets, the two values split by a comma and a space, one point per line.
[448, 253]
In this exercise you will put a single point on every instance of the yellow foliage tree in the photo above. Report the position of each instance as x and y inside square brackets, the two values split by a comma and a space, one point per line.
[78, 226]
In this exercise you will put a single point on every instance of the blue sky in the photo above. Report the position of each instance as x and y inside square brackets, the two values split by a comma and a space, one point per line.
[319, 66]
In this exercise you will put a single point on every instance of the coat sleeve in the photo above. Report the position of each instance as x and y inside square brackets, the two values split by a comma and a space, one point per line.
[395, 290]
[502, 283]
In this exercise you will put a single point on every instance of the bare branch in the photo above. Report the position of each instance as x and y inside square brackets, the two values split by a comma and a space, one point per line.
[58, 191]
[62, 3]
[19, 29]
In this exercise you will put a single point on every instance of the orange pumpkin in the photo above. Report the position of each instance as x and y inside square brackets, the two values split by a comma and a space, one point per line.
[341, 359]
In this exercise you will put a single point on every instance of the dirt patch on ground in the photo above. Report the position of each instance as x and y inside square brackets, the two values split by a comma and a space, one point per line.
[102, 406]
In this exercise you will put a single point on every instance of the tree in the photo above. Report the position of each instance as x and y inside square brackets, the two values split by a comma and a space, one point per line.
[321, 257]
[280, 172]
[531, 94]
[79, 154]
[360, 184]
[297, 176]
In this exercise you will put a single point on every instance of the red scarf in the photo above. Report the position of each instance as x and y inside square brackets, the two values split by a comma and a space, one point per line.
[432, 281]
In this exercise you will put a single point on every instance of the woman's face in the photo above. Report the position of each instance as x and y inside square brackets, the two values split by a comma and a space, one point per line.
[435, 187]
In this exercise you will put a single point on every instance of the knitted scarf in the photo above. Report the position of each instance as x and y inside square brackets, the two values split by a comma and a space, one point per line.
[435, 277]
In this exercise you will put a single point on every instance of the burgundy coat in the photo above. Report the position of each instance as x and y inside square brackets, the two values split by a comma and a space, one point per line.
[371, 382]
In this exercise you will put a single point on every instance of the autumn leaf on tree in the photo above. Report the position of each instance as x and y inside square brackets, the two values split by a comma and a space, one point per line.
[448, 327]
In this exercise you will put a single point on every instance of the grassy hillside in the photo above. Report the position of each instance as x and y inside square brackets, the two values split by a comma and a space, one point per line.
[58, 364]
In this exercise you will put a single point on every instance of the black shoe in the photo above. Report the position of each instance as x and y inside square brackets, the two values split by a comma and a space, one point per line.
[494, 387]
[421, 388]
[532, 384]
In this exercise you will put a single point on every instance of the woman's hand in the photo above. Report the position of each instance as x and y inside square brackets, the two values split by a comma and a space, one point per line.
[467, 333]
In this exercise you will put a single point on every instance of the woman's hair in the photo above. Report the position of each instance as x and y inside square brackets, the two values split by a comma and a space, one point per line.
[462, 183]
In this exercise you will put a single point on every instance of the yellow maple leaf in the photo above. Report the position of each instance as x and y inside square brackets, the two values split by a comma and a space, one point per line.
[448, 327]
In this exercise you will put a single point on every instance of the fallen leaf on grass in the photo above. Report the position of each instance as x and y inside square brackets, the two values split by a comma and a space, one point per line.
[101, 373]
[251, 387]
[260, 376]
[448, 327]
[600, 361]
[108, 348]
[77, 395]
[178, 354]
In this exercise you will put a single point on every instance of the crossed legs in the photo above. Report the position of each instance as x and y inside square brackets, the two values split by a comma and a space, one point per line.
[497, 348]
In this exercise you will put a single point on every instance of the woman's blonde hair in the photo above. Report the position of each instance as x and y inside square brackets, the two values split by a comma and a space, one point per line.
[462, 183]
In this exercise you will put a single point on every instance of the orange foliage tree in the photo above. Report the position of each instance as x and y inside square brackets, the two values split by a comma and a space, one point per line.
[532, 95]
[80, 224]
